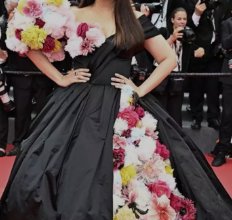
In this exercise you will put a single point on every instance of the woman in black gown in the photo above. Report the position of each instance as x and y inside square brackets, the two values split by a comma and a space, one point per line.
[65, 168]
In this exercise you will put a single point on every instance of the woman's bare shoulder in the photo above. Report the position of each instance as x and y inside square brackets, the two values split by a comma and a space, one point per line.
[79, 12]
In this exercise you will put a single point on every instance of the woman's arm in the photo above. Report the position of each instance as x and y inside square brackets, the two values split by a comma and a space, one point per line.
[41, 61]
[165, 57]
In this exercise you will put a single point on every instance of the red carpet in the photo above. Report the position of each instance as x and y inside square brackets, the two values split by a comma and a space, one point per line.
[223, 172]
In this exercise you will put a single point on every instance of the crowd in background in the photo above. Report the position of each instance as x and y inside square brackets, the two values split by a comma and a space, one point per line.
[200, 34]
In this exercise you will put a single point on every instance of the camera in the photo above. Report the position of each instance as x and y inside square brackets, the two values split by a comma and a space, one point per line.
[153, 7]
[139, 75]
[210, 4]
[188, 35]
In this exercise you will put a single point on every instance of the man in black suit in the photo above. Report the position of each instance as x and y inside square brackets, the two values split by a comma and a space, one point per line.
[225, 132]
[208, 33]
[27, 87]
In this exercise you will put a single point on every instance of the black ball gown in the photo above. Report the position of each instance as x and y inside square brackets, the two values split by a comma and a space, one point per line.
[65, 168]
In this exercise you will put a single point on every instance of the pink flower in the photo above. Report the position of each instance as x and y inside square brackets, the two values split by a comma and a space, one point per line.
[58, 33]
[82, 29]
[39, 23]
[58, 56]
[160, 188]
[130, 116]
[176, 202]
[49, 45]
[86, 47]
[18, 33]
[119, 158]
[140, 111]
[32, 9]
[152, 169]
[96, 36]
[162, 150]
[188, 211]
[119, 142]
[151, 133]
[161, 209]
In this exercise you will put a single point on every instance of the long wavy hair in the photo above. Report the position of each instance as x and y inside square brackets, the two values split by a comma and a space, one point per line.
[129, 32]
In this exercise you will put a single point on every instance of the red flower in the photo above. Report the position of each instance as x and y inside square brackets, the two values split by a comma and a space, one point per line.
[82, 29]
[127, 133]
[39, 23]
[188, 211]
[162, 150]
[140, 111]
[176, 202]
[18, 33]
[22, 54]
[160, 188]
[119, 157]
[49, 45]
[130, 116]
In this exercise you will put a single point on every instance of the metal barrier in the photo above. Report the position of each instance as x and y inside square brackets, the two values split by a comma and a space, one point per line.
[172, 74]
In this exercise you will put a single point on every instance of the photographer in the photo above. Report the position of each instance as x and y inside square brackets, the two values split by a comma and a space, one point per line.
[206, 21]
[170, 94]
[223, 147]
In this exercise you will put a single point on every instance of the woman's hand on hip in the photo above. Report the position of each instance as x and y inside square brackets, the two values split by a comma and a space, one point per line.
[75, 76]
[119, 81]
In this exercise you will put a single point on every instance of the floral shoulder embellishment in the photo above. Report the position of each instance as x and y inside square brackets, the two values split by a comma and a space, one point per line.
[85, 39]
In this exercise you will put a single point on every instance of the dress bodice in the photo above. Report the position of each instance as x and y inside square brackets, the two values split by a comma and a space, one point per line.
[107, 60]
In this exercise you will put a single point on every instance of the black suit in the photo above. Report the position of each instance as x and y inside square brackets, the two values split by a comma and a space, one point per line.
[225, 132]
[172, 101]
[210, 63]
[26, 88]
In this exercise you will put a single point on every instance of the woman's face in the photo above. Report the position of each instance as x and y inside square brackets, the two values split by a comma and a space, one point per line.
[180, 19]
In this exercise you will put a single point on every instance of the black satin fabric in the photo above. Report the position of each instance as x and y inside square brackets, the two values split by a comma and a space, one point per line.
[65, 168]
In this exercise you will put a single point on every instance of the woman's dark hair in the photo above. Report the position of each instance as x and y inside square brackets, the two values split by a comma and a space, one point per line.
[178, 10]
[129, 32]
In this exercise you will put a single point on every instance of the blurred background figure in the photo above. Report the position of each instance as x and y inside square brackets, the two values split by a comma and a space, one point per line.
[224, 146]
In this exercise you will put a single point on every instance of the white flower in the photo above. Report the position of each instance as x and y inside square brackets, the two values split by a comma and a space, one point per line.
[137, 133]
[127, 89]
[117, 183]
[131, 156]
[146, 149]
[169, 179]
[21, 22]
[16, 45]
[52, 20]
[148, 121]
[177, 193]
[120, 126]
[143, 194]
[124, 105]
[66, 4]
[117, 202]
[73, 46]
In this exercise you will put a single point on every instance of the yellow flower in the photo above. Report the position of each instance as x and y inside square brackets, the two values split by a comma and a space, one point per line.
[55, 2]
[34, 37]
[21, 5]
[58, 46]
[169, 170]
[129, 100]
[125, 214]
[127, 173]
